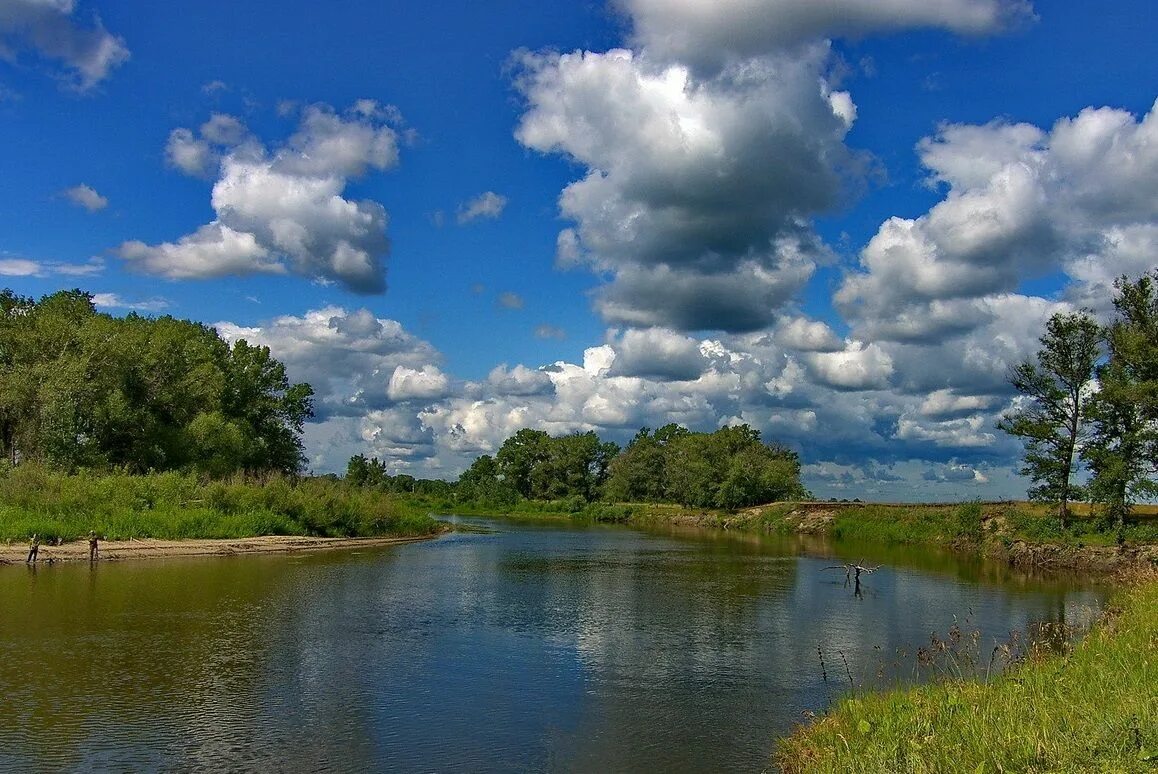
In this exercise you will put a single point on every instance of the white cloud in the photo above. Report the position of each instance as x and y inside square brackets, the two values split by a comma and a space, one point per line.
[49, 28]
[189, 153]
[711, 31]
[698, 187]
[519, 380]
[1021, 202]
[84, 195]
[426, 383]
[20, 267]
[487, 206]
[658, 353]
[858, 366]
[24, 267]
[223, 129]
[214, 250]
[380, 392]
[348, 356]
[806, 335]
[284, 211]
[114, 301]
[945, 403]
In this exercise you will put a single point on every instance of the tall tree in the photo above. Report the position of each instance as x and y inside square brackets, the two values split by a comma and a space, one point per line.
[1052, 417]
[1123, 453]
[80, 388]
[519, 457]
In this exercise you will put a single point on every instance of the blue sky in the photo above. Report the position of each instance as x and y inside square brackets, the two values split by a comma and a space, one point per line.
[837, 222]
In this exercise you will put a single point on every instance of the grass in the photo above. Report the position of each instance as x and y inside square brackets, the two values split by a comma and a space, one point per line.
[1091, 708]
[182, 505]
[977, 527]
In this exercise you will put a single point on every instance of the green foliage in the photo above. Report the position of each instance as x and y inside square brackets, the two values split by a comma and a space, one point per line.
[182, 505]
[1123, 453]
[730, 468]
[969, 516]
[80, 389]
[1053, 416]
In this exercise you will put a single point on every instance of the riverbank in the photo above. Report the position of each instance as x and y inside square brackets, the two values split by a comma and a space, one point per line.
[120, 550]
[181, 506]
[1025, 535]
[1090, 708]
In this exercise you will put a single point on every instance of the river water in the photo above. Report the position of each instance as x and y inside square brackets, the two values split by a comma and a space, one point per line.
[534, 647]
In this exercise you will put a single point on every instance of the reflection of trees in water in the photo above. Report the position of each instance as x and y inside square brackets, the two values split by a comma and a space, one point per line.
[144, 665]
[594, 649]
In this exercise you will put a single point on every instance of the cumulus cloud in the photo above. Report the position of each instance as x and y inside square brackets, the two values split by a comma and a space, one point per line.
[709, 146]
[806, 335]
[348, 356]
[486, 206]
[426, 383]
[51, 30]
[858, 366]
[84, 195]
[692, 185]
[283, 211]
[1020, 202]
[659, 354]
[519, 380]
[382, 391]
[708, 32]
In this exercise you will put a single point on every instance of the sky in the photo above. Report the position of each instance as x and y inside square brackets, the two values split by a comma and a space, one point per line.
[839, 222]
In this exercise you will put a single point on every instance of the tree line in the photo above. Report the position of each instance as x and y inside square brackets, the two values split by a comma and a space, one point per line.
[729, 468]
[1089, 399]
[84, 389]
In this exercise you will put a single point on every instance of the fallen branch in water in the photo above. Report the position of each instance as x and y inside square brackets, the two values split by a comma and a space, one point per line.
[849, 569]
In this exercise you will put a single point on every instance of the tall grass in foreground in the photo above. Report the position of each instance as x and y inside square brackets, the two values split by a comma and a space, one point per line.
[1090, 709]
[181, 505]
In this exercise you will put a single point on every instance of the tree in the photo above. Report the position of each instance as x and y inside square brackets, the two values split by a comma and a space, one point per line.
[482, 483]
[518, 458]
[1123, 453]
[79, 388]
[1052, 418]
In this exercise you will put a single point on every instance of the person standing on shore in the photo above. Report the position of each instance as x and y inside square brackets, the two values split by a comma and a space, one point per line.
[93, 548]
[33, 549]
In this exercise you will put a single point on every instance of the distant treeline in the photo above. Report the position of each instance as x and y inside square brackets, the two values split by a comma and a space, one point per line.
[729, 468]
[82, 389]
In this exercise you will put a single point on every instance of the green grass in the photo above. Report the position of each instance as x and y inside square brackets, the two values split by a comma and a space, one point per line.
[1092, 708]
[182, 505]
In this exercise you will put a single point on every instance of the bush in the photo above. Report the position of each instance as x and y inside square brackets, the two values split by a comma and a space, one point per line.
[969, 521]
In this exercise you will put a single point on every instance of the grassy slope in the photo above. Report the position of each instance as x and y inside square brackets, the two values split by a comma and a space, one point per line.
[1092, 709]
[177, 505]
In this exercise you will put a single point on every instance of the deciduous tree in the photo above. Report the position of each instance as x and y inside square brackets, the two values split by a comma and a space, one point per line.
[1051, 415]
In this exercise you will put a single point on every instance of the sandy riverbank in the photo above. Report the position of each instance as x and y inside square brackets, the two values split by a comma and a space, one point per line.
[118, 550]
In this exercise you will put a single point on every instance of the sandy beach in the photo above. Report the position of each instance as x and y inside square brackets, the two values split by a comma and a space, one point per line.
[119, 550]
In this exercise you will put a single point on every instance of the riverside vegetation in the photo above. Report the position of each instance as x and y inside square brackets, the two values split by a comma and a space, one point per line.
[177, 505]
[1090, 707]
[138, 427]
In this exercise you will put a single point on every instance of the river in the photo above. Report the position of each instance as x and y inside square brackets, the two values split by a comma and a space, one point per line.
[533, 647]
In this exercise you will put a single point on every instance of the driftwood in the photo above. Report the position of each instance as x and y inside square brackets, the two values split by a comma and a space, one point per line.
[852, 573]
